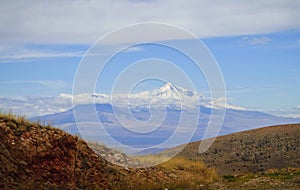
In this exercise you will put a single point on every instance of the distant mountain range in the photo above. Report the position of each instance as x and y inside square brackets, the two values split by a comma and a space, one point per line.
[134, 111]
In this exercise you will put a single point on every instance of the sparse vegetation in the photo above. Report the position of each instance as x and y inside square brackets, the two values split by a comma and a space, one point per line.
[185, 174]
[250, 151]
[193, 175]
[287, 178]
[151, 159]
[41, 157]
[35, 156]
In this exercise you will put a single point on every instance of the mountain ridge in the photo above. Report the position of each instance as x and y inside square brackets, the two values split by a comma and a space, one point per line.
[235, 121]
[166, 114]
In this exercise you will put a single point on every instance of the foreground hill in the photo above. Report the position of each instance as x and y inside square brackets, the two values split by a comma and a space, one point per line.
[250, 151]
[38, 157]
[41, 157]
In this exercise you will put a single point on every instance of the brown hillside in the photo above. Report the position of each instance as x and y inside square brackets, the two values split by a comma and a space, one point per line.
[37, 157]
[251, 151]
[44, 156]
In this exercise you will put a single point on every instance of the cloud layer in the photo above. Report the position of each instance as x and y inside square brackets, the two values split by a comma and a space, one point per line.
[86, 21]
[36, 105]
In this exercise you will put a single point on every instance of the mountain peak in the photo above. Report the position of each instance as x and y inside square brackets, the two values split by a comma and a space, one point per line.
[170, 90]
[169, 86]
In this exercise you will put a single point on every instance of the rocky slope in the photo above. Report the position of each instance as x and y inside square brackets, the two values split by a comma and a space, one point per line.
[38, 157]
[35, 155]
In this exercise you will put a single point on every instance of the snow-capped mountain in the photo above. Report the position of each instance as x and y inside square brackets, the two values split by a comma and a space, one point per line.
[169, 91]
[180, 106]
[168, 95]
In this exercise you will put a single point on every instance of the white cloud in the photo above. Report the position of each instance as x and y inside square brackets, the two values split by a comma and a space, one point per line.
[133, 49]
[257, 40]
[244, 89]
[85, 21]
[296, 108]
[41, 105]
[43, 55]
[11, 53]
[48, 83]
[293, 112]
[36, 104]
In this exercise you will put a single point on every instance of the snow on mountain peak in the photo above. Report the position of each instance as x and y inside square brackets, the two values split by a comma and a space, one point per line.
[168, 94]
[170, 90]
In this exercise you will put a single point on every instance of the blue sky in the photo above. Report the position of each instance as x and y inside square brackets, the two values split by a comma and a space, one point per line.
[262, 75]
[256, 45]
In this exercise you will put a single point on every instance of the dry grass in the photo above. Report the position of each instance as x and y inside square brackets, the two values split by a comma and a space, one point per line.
[183, 173]
[151, 159]
[195, 171]
[249, 151]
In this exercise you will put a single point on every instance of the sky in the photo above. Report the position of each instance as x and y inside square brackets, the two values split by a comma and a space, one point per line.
[255, 43]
